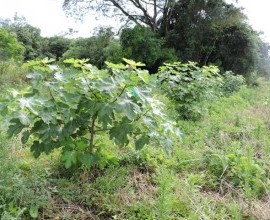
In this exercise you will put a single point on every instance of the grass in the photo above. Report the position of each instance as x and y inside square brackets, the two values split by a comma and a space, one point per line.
[219, 171]
[12, 73]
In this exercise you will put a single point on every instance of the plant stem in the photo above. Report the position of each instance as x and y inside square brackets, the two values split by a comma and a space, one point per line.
[92, 133]
[120, 94]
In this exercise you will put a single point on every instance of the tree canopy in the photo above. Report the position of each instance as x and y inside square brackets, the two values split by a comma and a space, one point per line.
[204, 31]
[213, 32]
[147, 12]
[26, 34]
[144, 45]
[97, 48]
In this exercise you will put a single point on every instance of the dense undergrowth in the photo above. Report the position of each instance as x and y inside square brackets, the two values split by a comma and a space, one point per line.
[12, 73]
[220, 170]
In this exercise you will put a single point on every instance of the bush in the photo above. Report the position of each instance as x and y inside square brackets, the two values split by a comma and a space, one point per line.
[188, 85]
[141, 44]
[242, 170]
[232, 83]
[10, 47]
[24, 187]
[253, 79]
[70, 109]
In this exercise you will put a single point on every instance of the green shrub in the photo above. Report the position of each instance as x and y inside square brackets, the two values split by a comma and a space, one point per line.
[188, 85]
[253, 79]
[241, 170]
[23, 188]
[69, 109]
[232, 83]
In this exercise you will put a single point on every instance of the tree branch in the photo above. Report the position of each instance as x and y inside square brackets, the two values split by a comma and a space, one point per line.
[124, 11]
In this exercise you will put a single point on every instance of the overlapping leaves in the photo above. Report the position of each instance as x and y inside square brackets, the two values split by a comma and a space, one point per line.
[64, 107]
[188, 85]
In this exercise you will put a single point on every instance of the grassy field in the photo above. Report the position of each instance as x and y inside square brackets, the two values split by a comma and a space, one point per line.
[219, 171]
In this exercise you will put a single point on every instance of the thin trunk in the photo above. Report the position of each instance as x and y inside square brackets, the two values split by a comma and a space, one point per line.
[92, 133]
[210, 52]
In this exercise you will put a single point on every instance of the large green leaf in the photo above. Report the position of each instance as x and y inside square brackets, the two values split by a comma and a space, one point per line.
[24, 118]
[15, 127]
[25, 136]
[120, 132]
[143, 140]
[88, 159]
[128, 108]
[45, 146]
[144, 75]
[105, 114]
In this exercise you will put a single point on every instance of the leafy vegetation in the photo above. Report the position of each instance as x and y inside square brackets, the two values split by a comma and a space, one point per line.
[68, 109]
[142, 44]
[220, 171]
[204, 31]
[189, 85]
[117, 139]
[12, 72]
[10, 48]
[97, 48]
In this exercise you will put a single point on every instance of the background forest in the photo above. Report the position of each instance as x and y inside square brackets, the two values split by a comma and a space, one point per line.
[206, 32]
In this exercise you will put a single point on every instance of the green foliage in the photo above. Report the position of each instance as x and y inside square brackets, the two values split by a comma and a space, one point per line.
[212, 32]
[232, 83]
[69, 109]
[221, 170]
[56, 46]
[165, 199]
[23, 189]
[142, 44]
[11, 72]
[242, 171]
[113, 52]
[10, 47]
[235, 40]
[98, 48]
[188, 86]
[27, 35]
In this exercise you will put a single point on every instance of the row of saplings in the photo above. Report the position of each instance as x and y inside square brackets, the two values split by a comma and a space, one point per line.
[76, 107]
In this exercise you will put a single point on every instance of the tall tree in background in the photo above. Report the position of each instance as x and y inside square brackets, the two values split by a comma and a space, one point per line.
[212, 31]
[205, 31]
[28, 35]
[140, 12]
[97, 48]
[144, 45]
[237, 50]
[264, 59]
[56, 46]
[200, 22]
